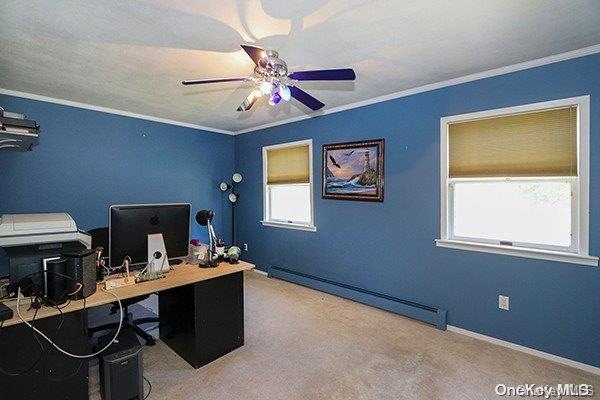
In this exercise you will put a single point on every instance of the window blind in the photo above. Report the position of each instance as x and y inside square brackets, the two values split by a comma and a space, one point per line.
[541, 143]
[288, 165]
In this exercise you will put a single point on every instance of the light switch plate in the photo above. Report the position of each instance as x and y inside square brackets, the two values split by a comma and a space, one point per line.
[503, 302]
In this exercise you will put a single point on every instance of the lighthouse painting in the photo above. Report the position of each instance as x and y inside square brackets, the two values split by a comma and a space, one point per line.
[354, 170]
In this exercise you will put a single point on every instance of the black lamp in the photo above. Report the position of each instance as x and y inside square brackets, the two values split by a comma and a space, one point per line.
[233, 198]
[204, 218]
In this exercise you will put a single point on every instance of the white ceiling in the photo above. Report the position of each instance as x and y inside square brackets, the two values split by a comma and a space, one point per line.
[131, 55]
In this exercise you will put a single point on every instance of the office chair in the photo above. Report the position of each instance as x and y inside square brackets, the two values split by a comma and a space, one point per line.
[100, 239]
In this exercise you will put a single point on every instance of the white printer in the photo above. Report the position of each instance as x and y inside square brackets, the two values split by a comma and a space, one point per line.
[30, 240]
[27, 229]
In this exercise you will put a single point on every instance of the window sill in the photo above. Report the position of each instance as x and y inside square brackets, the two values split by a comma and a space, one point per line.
[519, 252]
[310, 228]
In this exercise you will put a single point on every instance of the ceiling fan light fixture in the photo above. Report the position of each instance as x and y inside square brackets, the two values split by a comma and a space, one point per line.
[266, 87]
[274, 99]
[285, 93]
[256, 94]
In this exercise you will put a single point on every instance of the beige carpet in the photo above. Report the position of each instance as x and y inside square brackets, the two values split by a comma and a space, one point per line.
[304, 344]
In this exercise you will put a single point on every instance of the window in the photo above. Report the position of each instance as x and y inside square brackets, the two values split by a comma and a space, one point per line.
[288, 194]
[515, 181]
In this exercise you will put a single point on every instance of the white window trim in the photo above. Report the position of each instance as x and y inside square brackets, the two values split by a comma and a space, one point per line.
[579, 255]
[289, 225]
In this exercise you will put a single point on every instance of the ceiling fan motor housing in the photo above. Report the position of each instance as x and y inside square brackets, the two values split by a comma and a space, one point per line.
[271, 65]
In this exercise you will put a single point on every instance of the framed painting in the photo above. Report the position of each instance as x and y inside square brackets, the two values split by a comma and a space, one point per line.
[353, 170]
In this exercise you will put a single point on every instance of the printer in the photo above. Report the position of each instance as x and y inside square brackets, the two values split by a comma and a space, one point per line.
[30, 240]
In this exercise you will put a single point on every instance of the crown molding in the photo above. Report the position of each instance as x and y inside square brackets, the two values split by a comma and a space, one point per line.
[86, 106]
[585, 51]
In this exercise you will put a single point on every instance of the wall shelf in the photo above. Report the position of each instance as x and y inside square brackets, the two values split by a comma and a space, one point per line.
[17, 132]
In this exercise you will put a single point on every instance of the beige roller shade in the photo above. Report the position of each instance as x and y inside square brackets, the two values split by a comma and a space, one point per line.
[541, 143]
[288, 165]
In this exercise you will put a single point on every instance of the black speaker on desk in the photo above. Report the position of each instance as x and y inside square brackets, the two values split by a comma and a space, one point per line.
[56, 281]
[81, 269]
[121, 367]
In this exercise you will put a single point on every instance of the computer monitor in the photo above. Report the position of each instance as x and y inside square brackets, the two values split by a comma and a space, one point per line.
[130, 225]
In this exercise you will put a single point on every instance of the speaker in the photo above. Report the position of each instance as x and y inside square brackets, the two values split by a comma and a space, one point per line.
[56, 281]
[81, 268]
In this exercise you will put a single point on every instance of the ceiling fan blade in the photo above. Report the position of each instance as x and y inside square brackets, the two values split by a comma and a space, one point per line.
[306, 98]
[216, 80]
[344, 74]
[255, 52]
[250, 100]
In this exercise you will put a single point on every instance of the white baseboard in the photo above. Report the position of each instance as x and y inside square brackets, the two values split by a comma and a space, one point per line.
[258, 271]
[561, 360]
[528, 350]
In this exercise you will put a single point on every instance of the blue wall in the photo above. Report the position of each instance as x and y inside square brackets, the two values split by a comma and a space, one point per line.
[88, 160]
[389, 247]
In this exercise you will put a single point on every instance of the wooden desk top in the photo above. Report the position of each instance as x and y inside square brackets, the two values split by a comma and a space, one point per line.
[183, 274]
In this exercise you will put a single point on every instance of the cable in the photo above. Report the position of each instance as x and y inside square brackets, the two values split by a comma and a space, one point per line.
[149, 387]
[32, 284]
[79, 364]
[124, 265]
[64, 351]
[77, 291]
[65, 305]
[81, 361]
[42, 353]
[84, 326]
[62, 378]
[62, 315]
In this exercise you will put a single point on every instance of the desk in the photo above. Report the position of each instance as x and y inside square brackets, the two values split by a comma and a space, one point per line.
[201, 318]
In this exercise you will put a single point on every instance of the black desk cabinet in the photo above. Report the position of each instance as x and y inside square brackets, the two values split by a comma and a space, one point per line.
[203, 321]
[53, 375]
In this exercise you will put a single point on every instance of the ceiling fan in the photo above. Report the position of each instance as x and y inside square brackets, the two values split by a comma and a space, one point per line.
[272, 79]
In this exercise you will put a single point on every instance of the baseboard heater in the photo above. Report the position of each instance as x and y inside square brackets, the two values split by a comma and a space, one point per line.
[421, 312]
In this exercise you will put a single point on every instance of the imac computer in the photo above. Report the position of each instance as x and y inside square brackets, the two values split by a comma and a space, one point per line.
[130, 225]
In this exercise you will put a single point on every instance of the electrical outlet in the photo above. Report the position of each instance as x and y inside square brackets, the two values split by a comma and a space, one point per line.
[245, 246]
[503, 302]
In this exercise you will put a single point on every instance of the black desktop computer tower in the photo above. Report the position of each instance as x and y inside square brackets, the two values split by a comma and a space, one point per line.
[121, 367]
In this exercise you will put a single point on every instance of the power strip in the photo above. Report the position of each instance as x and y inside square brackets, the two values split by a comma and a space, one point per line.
[114, 283]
